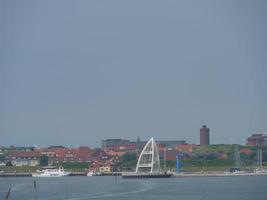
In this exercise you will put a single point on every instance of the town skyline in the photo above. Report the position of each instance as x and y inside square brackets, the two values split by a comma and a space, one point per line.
[195, 140]
[253, 140]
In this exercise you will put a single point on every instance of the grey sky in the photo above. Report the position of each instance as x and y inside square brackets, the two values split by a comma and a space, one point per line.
[76, 72]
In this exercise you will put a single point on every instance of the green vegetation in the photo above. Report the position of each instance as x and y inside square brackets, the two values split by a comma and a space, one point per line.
[214, 148]
[128, 162]
[205, 158]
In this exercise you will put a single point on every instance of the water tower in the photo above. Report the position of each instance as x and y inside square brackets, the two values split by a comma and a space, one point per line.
[204, 135]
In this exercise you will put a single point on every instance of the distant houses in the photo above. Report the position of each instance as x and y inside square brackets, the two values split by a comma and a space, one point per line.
[63, 154]
[257, 139]
[127, 145]
[112, 152]
[24, 158]
[97, 158]
[30, 157]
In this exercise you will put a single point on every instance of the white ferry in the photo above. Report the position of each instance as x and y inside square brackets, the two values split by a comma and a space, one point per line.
[51, 172]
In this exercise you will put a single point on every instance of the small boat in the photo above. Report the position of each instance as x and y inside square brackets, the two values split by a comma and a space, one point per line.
[51, 172]
[90, 173]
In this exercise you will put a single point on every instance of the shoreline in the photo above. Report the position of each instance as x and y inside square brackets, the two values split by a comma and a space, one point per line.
[228, 174]
[174, 175]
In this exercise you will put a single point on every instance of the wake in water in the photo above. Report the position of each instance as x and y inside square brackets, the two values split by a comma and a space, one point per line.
[143, 187]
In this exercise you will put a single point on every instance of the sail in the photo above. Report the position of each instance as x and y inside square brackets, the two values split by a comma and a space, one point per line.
[148, 161]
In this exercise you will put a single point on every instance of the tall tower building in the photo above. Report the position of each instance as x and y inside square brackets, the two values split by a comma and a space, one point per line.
[204, 135]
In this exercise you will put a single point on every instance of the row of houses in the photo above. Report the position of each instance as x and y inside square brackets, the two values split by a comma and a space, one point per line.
[96, 157]
[22, 158]
[110, 153]
[54, 155]
[62, 154]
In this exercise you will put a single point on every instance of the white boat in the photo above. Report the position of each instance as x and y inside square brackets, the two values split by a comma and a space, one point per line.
[51, 172]
[90, 173]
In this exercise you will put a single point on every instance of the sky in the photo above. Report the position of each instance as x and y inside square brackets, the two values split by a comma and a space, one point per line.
[77, 72]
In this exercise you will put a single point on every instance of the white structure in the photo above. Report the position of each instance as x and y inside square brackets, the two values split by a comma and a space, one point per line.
[148, 161]
[51, 172]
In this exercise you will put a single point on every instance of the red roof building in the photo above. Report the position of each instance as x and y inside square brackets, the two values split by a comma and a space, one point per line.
[257, 140]
[58, 155]
[23, 158]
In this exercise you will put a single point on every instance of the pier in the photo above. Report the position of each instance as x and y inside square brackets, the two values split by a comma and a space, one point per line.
[15, 174]
[145, 175]
[217, 174]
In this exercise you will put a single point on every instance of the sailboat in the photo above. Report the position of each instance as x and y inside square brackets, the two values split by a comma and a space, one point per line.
[148, 165]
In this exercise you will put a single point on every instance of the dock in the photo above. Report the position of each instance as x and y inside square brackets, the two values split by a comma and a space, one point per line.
[146, 175]
[78, 174]
[217, 174]
[15, 174]
[108, 174]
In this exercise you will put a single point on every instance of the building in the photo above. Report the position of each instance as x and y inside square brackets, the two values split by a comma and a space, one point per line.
[63, 154]
[105, 169]
[84, 154]
[111, 143]
[171, 143]
[204, 135]
[168, 155]
[119, 145]
[257, 140]
[54, 154]
[24, 158]
[127, 145]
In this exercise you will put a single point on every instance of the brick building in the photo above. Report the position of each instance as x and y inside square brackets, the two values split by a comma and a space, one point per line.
[63, 154]
[204, 134]
[257, 140]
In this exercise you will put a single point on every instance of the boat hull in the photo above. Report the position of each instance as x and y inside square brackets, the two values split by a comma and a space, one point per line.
[51, 175]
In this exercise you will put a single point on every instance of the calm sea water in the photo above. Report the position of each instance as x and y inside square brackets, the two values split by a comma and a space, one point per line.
[82, 188]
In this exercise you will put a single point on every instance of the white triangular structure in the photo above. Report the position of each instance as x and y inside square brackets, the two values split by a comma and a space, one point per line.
[148, 161]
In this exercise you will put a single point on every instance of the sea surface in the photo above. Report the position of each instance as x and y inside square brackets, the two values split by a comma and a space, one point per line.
[82, 188]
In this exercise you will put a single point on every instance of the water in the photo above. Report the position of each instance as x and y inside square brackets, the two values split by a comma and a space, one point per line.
[108, 188]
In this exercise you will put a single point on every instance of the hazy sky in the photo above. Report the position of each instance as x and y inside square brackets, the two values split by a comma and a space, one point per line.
[76, 72]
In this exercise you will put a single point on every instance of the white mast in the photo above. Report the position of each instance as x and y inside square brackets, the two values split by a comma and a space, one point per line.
[164, 158]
